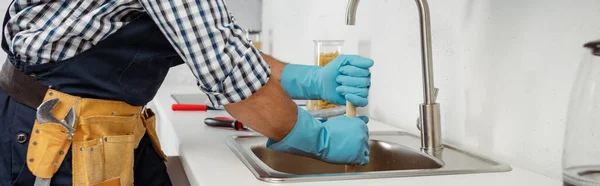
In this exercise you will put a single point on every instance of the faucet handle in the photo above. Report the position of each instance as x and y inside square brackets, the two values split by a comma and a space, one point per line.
[435, 94]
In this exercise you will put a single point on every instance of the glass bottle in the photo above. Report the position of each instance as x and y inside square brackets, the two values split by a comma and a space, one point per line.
[325, 52]
[581, 152]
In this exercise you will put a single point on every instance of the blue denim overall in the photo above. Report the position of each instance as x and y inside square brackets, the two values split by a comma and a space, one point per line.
[129, 65]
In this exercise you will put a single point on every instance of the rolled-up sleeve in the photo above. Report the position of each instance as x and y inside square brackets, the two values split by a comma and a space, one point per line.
[228, 67]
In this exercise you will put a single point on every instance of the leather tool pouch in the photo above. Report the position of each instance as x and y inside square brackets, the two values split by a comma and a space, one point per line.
[108, 151]
[149, 120]
[106, 135]
[47, 149]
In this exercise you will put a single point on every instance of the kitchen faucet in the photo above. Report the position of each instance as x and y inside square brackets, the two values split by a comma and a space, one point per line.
[429, 120]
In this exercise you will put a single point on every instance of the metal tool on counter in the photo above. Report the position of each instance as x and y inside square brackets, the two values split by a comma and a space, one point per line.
[228, 122]
[221, 121]
[225, 122]
[44, 115]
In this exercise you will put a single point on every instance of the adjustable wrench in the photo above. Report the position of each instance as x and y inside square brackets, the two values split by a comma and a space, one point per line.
[44, 115]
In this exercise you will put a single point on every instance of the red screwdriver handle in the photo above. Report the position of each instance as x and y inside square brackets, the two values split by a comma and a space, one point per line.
[188, 107]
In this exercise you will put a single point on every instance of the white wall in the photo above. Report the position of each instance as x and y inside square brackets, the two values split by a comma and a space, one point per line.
[246, 12]
[504, 68]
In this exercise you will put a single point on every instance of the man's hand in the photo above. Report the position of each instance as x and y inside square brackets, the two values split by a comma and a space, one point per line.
[291, 129]
[341, 140]
[347, 77]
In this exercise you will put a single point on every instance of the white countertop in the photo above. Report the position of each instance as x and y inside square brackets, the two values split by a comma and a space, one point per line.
[208, 161]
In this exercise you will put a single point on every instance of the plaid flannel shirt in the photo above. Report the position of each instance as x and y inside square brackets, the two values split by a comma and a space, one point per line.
[204, 34]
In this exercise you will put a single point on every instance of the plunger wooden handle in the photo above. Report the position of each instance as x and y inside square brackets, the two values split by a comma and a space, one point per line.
[350, 112]
[350, 109]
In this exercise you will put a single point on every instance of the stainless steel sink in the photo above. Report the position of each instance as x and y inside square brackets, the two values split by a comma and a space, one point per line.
[384, 157]
[393, 154]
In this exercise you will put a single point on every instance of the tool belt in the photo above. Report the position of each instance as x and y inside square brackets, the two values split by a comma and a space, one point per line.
[106, 133]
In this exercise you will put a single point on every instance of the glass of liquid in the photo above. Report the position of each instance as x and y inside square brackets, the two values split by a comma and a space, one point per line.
[581, 152]
[325, 52]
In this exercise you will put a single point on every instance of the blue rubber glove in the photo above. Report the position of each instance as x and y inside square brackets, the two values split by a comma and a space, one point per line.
[341, 140]
[347, 77]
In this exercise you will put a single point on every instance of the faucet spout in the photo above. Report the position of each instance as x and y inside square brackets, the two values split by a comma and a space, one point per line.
[431, 139]
[351, 12]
